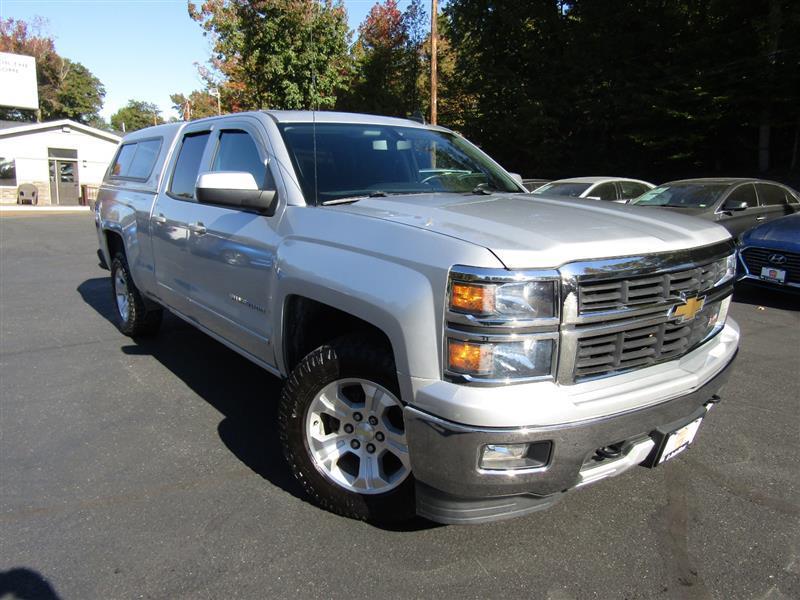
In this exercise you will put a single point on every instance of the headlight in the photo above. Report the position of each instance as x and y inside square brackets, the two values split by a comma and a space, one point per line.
[502, 326]
[503, 295]
[727, 269]
[525, 357]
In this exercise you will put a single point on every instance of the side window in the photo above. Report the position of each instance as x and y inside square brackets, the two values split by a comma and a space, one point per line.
[187, 166]
[743, 193]
[604, 191]
[237, 151]
[136, 159]
[772, 195]
[144, 159]
[631, 189]
[123, 160]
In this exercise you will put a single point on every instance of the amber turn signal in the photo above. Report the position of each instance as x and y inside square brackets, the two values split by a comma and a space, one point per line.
[464, 357]
[472, 298]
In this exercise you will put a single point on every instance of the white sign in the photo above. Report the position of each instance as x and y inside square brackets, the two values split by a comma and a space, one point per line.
[18, 81]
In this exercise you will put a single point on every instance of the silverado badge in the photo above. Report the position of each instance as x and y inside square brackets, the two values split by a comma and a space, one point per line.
[688, 310]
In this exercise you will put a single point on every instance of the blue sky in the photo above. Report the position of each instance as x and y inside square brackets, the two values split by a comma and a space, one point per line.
[139, 49]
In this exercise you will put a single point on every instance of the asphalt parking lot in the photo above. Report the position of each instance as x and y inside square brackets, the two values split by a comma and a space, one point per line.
[152, 470]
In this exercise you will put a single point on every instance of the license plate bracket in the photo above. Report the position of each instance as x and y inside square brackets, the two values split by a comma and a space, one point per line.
[673, 438]
[774, 275]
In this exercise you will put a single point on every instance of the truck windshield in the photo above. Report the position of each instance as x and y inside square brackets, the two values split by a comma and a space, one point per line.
[683, 195]
[350, 161]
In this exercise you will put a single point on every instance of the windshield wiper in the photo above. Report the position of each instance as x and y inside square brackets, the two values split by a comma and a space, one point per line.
[484, 189]
[348, 200]
[375, 194]
[351, 199]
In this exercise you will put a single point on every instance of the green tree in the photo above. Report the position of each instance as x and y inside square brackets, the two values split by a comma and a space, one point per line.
[201, 104]
[288, 54]
[136, 115]
[80, 95]
[654, 88]
[389, 59]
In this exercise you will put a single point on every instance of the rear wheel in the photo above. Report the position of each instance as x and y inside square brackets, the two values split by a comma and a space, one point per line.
[133, 317]
[341, 425]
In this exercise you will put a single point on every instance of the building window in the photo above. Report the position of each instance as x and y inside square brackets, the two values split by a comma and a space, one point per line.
[8, 172]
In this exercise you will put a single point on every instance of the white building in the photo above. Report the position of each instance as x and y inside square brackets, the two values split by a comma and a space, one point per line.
[56, 157]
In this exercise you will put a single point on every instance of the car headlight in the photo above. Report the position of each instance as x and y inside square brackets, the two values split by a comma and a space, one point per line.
[502, 326]
[727, 269]
[489, 294]
[529, 356]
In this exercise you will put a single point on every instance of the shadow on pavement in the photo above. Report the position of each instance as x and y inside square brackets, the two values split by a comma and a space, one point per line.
[756, 295]
[245, 393]
[25, 584]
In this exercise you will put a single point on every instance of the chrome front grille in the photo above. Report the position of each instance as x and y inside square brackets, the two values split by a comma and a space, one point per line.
[640, 346]
[619, 314]
[756, 258]
[622, 294]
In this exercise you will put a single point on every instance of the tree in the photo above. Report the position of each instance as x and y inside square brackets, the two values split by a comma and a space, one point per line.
[67, 89]
[80, 95]
[136, 115]
[202, 104]
[288, 54]
[654, 88]
[388, 58]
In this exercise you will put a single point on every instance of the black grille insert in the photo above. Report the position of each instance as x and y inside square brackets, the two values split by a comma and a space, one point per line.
[637, 292]
[641, 345]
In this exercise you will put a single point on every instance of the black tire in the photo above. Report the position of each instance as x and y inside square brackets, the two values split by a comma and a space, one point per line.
[355, 356]
[139, 321]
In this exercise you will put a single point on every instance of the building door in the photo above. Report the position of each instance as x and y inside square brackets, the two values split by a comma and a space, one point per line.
[53, 183]
[64, 184]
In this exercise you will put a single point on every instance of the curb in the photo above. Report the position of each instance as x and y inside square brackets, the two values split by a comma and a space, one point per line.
[24, 209]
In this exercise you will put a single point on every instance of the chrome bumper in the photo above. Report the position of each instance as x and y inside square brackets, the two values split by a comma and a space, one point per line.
[452, 488]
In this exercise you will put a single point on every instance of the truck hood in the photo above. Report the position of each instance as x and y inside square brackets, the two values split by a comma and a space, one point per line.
[527, 231]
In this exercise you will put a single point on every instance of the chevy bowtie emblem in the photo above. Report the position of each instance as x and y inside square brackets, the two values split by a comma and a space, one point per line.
[688, 310]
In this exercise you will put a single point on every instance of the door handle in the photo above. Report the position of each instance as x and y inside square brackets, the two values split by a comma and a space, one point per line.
[159, 220]
[761, 218]
[197, 228]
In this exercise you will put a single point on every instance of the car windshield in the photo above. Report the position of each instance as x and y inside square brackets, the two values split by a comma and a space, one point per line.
[358, 160]
[563, 189]
[683, 195]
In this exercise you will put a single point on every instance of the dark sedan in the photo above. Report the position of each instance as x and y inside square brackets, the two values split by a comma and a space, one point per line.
[737, 204]
[770, 254]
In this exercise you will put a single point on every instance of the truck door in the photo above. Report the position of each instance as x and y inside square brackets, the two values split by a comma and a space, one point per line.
[172, 219]
[232, 251]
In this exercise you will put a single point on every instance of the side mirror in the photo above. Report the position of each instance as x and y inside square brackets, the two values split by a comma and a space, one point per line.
[236, 189]
[516, 177]
[592, 198]
[733, 206]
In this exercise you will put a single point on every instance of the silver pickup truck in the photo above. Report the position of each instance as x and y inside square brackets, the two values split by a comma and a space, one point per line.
[452, 346]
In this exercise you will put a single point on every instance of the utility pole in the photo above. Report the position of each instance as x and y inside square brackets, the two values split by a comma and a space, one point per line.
[434, 76]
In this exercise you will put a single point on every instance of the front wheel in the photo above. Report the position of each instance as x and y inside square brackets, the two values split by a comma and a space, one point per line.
[341, 425]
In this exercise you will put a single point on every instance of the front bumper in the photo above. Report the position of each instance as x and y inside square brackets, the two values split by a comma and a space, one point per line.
[452, 488]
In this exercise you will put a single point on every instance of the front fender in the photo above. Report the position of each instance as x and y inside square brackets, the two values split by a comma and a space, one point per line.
[398, 300]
